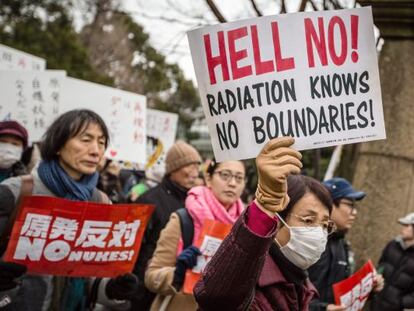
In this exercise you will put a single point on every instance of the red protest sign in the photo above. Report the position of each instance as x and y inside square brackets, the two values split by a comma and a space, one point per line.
[78, 239]
[354, 291]
[211, 236]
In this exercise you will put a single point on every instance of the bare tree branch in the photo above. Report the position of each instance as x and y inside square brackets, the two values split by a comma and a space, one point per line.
[282, 6]
[315, 8]
[302, 6]
[171, 47]
[336, 4]
[168, 19]
[216, 11]
[180, 10]
[256, 9]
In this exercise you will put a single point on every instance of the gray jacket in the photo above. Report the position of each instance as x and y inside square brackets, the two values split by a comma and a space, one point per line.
[41, 293]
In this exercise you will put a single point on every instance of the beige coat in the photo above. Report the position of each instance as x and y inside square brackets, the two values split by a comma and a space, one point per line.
[160, 271]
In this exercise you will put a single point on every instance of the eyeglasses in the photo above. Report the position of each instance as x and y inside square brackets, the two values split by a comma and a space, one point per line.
[311, 222]
[351, 204]
[227, 176]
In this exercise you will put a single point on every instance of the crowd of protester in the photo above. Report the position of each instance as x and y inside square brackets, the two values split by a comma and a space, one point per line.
[286, 248]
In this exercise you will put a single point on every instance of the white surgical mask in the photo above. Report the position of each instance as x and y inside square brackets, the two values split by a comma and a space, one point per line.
[9, 154]
[305, 246]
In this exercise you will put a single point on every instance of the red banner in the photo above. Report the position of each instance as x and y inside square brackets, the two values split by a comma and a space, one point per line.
[210, 238]
[78, 239]
[353, 292]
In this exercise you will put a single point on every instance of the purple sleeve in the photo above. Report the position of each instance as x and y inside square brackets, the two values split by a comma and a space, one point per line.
[258, 221]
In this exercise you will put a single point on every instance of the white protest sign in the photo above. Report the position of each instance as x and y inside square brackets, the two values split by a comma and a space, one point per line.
[313, 76]
[123, 112]
[12, 59]
[161, 132]
[31, 98]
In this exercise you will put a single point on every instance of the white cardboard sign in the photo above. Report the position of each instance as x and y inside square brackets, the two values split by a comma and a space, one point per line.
[123, 112]
[161, 132]
[313, 76]
[32, 98]
[12, 59]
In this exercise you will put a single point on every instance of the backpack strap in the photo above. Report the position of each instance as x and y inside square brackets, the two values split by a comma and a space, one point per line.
[187, 227]
[26, 188]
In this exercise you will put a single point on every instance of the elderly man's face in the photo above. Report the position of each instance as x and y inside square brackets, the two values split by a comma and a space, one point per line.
[82, 154]
[186, 176]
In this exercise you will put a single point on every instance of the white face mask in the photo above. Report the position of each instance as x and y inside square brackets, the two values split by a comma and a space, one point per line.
[305, 246]
[9, 154]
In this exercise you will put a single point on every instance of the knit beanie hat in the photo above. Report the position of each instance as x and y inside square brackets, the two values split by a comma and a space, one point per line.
[14, 128]
[180, 154]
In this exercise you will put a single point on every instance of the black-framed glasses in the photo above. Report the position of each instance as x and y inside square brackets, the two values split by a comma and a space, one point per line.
[227, 175]
[351, 204]
[311, 222]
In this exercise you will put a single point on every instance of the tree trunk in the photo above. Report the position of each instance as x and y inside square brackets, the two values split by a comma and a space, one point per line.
[385, 169]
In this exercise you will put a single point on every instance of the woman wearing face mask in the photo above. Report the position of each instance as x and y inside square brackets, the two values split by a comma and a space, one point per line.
[219, 200]
[71, 151]
[13, 141]
[262, 263]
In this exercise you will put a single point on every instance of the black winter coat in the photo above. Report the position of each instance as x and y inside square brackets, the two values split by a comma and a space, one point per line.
[398, 264]
[167, 198]
[332, 267]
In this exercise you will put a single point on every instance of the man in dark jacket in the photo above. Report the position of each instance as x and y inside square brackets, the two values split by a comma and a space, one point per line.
[13, 141]
[182, 168]
[397, 264]
[336, 263]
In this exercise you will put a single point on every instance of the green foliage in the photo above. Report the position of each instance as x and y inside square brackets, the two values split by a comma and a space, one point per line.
[44, 28]
[159, 77]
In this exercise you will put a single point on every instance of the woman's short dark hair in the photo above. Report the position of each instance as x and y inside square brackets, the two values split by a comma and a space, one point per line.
[65, 127]
[299, 185]
[214, 165]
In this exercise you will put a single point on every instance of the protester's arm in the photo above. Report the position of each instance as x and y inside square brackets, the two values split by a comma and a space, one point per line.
[229, 280]
[159, 274]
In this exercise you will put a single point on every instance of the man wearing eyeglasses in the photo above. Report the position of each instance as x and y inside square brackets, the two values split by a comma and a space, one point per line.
[337, 262]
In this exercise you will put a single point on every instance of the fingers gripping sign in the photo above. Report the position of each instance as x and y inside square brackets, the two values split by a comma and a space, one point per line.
[275, 163]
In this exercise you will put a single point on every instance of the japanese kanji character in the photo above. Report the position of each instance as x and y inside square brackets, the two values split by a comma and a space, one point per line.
[115, 100]
[36, 84]
[55, 96]
[37, 96]
[94, 233]
[64, 226]
[124, 230]
[356, 292]
[54, 82]
[36, 225]
[367, 284]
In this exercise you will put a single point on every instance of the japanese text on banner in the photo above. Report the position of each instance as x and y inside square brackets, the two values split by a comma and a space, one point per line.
[56, 236]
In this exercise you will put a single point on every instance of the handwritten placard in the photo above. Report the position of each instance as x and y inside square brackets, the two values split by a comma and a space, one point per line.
[313, 76]
[161, 132]
[31, 98]
[12, 59]
[123, 112]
